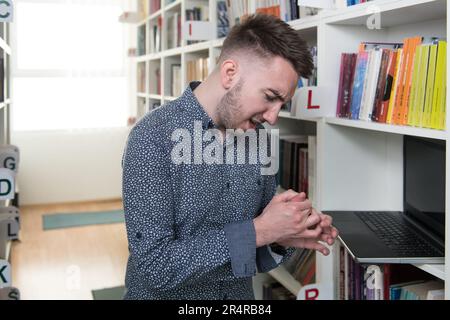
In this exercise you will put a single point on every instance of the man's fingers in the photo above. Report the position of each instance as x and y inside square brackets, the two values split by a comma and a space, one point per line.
[312, 220]
[312, 233]
[299, 197]
[314, 245]
[285, 196]
[300, 206]
[326, 220]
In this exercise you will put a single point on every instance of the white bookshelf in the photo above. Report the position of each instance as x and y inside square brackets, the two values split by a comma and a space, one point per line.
[372, 150]
[5, 112]
[286, 279]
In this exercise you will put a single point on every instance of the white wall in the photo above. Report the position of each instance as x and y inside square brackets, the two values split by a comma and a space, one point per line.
[66, 166]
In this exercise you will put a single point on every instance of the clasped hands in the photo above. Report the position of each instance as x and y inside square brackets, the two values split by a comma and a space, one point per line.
[290, 221]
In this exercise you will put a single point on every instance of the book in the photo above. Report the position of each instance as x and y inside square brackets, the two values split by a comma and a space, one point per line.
[358, 83]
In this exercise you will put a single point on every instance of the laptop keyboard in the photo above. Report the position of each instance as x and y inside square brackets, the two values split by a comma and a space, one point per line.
[395, 234]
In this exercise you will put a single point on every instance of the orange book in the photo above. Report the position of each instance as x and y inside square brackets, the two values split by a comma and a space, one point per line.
[400, 83]
[414, 42]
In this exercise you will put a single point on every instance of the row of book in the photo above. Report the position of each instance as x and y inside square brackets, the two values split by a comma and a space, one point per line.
[141, 34]
[176, 89]
[401, 84]
[148, 7]
[155, 37]
[197, 70]
[302, 266]
[154, 79]
[349, 3]
[140, 72]
[273, 290]
[174, 30]
[197, 13]
[286, 10]
[385, 281]
[297, 156]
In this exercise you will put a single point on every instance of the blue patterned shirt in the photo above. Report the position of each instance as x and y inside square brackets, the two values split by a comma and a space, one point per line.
[189, 226]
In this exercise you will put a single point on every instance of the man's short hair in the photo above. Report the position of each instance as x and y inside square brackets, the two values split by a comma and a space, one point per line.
[267, 36]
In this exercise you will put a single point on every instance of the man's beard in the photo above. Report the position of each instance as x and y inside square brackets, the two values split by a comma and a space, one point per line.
[230, 107]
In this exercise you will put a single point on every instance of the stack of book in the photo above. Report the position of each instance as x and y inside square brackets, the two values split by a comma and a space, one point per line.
[197, 70]
[401, 84]
[141, 77]
[155, 44]
[385, 281]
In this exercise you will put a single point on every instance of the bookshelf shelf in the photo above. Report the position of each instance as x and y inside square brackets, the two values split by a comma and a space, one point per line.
[402, 130]
[393, 13]
[311, 22]
[288, 115]
[155, 15]
[173, 5]
[217, 43]
[437, 270]
[142, 95]
[198, 47]
[169, 98]
[154, 96]
[286, 279]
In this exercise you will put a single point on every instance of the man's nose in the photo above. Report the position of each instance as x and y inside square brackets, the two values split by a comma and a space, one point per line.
[271, 116]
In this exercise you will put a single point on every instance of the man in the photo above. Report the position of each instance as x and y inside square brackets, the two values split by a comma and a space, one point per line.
[201, 229]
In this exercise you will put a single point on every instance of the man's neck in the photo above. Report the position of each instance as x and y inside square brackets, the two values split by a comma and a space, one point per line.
[207, 96]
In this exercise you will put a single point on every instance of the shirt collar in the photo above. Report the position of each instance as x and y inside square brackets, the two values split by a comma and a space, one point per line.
[194, 108]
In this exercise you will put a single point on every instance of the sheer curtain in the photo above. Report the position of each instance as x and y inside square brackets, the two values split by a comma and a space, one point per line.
[68, 65]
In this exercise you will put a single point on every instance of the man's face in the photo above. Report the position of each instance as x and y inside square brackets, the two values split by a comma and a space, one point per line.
[259, 95]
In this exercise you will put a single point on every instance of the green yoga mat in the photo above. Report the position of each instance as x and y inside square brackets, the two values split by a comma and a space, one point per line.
[77, 219]
[115, 293]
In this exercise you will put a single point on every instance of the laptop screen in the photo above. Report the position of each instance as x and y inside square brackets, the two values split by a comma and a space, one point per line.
[424, 182]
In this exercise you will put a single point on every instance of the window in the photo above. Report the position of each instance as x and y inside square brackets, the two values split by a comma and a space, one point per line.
[69, 67]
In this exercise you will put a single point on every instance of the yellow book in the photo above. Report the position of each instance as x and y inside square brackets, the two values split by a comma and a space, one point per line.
[439, 82]
[426, 123]
[412, 103]
[422, 85]
[442, 94]
[390, 112]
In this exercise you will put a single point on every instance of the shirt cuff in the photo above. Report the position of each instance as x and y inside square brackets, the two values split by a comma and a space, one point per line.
[241, 238]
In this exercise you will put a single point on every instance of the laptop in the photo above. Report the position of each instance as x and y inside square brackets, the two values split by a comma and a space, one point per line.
[415, 235]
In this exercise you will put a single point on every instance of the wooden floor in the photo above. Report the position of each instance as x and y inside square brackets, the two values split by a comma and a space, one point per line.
[68, 263]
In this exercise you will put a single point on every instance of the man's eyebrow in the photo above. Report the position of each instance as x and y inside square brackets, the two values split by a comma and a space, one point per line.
[276, 94]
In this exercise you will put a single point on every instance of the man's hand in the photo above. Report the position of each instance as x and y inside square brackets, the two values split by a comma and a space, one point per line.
[285, 219]
[309, 239]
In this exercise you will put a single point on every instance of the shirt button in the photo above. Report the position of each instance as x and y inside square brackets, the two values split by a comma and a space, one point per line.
[228, 185]
[138, 235]
[258, 182]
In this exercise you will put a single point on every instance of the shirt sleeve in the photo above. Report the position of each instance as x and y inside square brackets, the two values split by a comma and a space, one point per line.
[159, 257]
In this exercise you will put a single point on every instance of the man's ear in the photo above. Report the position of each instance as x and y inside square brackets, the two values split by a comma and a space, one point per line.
[229, 73]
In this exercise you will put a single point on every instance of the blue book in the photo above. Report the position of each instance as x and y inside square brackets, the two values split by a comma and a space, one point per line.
[358, 84]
